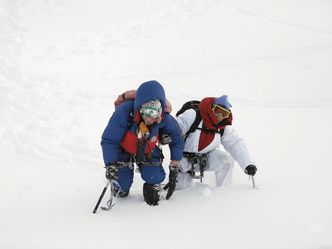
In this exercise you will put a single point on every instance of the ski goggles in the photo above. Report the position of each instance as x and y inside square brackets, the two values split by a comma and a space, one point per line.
[151, 112]
[220, 111]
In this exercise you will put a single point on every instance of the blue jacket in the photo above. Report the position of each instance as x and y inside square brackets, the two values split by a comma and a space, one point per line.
[124, 123]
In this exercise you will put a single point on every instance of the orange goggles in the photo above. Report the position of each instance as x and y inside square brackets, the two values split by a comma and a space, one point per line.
[220, 111]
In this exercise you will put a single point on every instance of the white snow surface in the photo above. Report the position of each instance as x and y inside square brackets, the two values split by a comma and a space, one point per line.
[63, 63]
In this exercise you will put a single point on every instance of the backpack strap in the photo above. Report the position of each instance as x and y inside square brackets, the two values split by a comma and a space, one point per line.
[194, 125]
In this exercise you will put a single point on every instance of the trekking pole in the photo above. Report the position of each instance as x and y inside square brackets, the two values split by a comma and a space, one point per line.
[101, 196]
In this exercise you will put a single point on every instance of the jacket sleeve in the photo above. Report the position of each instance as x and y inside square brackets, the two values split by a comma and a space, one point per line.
[172, 128]
[185, 120]
[114, 132]
[235, 145]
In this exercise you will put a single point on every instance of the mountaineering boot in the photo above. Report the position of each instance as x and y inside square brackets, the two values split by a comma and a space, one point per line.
[151, 193]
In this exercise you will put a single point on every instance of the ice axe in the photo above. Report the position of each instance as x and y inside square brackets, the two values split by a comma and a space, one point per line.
[253, 181]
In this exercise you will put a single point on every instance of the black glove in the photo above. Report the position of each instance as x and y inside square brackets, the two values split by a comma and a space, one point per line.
[173, 173]
[165, 139]
[250, 170]
[111, 171]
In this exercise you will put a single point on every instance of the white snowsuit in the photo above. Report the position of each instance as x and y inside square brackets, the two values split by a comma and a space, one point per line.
[221, 162]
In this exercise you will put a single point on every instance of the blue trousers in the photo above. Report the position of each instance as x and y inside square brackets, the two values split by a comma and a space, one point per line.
[149, 174]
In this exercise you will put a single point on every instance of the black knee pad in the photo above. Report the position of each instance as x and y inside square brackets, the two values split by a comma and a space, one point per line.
[151, 193]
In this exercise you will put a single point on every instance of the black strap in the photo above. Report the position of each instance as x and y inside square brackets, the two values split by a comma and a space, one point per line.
[194, 125]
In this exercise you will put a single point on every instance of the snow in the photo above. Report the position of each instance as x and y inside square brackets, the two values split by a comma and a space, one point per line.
[63, 63]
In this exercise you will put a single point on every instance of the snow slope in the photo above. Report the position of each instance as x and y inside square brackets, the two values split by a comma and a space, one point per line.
[62, 64]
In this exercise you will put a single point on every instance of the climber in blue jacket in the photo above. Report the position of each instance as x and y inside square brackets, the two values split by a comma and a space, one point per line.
[133, 135]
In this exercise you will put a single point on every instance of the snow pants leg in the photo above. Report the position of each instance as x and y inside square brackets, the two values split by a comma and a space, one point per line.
[125, 180]
[222, 164]
[152, 174]
[184, 180]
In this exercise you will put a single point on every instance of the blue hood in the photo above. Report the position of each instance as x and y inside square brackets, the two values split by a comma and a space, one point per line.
[147, 91]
